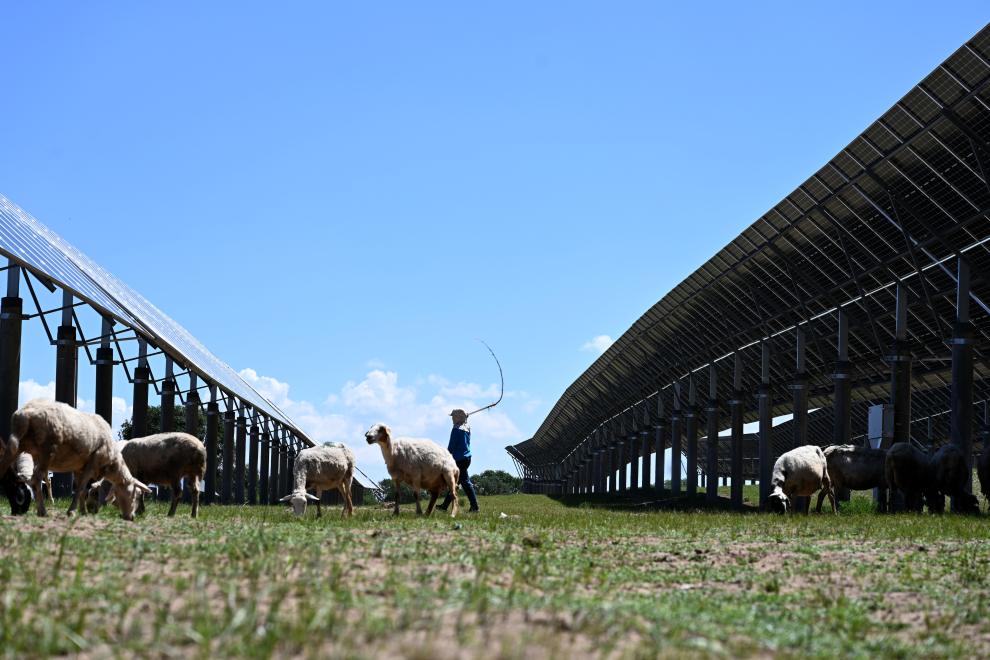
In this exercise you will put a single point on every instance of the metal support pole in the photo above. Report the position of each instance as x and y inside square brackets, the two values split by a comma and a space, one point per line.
[632, 457]
[252, 477]
[168, 397]
[227, 476]
[736, 417]
[274, 494]
[104, 374]
[961, 396]
[842, 406]
[676, 433]
[285, 469]
[142, 374]
[265, 450]
[799, 388]
[711, 469]
[613, 463]
[691, 430]
[11, 317]
[212, 431]
[644, 443]
[900, 371]
[239, 447]
[660, 437]
[766, 424]
[66, 374]
[623, 460]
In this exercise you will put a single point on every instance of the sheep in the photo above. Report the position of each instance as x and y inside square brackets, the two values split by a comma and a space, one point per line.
[799, 473]
[952, 476]
[164, 459]
[909, 470]
[63, 439]
[853, 467]
[923, 479]
[420, 463]
[322, 468]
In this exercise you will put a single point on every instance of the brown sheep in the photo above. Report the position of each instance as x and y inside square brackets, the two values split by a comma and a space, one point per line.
[855, 468]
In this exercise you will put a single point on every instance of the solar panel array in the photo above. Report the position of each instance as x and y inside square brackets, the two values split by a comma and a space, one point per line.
[899, 204]
[31, 244]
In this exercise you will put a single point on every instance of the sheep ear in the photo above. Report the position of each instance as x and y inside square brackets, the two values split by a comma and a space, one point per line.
[286, 498]
[312, 498]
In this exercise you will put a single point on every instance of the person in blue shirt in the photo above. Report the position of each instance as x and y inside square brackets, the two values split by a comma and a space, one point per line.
[460, 448]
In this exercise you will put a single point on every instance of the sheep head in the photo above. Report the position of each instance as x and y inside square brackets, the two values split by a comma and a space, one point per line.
[778, 502]
[379, 433]
[126, 488]
[298, 501]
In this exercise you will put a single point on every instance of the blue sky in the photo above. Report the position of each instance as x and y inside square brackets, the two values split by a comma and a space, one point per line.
[341, 197]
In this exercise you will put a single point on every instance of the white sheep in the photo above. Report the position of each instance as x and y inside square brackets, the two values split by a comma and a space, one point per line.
[165, 459]
[423, 464]
[63, 439]
[323, 468]
[799, 473]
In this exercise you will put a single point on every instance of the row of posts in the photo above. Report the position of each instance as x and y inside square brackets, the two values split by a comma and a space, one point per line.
[616, 451]
[257, 460]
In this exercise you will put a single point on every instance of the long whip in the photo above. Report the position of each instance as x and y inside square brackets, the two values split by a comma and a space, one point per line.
[501, 378]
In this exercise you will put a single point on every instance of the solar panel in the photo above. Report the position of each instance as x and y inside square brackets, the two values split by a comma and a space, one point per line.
[30, 243]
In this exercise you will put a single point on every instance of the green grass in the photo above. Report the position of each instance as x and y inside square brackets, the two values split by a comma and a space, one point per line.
[550, 580]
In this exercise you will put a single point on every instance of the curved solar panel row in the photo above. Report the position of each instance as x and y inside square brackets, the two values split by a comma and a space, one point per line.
[899, 204]
[27, 241]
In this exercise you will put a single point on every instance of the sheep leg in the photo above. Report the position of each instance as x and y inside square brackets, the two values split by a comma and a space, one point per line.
[419, 509]
[82, 481]
[194, 494]
[48, 486]
[176, 494]
[821, 496]
[434, 494]
[398, 492]
[319, 502]
[36, 483]
[345, 491]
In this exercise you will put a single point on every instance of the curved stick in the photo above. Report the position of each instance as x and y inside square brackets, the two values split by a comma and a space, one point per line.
[501, 378]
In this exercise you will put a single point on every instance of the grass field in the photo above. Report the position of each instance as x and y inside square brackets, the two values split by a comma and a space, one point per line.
[549, 580]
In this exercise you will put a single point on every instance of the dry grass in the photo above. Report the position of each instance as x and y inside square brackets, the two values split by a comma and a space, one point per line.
[551, 580]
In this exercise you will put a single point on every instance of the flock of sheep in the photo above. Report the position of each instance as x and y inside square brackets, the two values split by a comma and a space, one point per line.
[905, 469]
[50, 436]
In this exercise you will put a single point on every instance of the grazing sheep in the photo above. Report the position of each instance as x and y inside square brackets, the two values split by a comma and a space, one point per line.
[322, 468]
[952, 475]
[799, 473]
[909, 470]
[923, 479]
[853, 467]
[423, 464]
[165, 459]
[63, 439]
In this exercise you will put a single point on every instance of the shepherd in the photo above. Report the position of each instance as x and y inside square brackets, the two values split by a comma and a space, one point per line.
[459, 445]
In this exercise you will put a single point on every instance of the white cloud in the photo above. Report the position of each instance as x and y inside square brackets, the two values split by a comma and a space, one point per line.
[30, 389]
[598, 344]
[419, 409]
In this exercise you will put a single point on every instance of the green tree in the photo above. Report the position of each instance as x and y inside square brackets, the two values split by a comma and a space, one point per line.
[496, 482]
